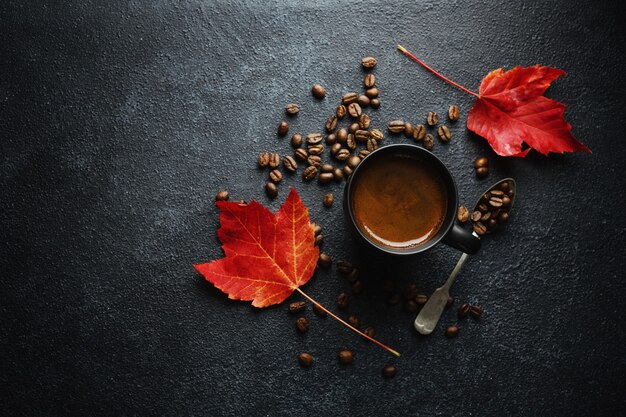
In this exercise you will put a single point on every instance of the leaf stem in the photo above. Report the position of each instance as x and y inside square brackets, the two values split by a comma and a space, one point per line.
[371, 339]
[422, 63]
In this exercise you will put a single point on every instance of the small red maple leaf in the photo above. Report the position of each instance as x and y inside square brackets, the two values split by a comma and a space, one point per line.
[510, 110]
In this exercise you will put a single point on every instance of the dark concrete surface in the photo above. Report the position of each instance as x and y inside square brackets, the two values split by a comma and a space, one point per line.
[119, 121]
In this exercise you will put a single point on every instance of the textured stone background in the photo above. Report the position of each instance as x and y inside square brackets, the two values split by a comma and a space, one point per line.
[120, 120]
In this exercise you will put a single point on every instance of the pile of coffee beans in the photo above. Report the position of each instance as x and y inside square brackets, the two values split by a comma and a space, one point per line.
[493, 208]
[419, 131]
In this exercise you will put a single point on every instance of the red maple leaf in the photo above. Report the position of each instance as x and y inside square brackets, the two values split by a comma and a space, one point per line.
[268, 256]
[510, 110]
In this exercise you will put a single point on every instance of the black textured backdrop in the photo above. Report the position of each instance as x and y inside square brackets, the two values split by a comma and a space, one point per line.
[119, 121]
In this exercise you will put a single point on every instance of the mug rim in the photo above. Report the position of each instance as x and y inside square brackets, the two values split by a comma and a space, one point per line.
[451, 206]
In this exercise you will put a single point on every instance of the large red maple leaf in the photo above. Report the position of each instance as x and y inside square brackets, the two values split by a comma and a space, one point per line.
[510, 110]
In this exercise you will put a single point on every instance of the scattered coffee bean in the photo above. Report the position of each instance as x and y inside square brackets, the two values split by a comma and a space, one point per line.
[264, 159]
[345, 356]
[364, 121]
[318, 91]
[314, 138]
[274, 160]
[328, 198]
[354, 110]
[347, 171]
[305, 359]
[319, 239]
[429, 141]
[419, 132]
[331, 123]
[463, 310]
[357, 287]
[369, 80]
[482, 172]
[377, 134]
[309, 173]
[353, 127]
[271, 190]
[396, 126]
[353, 320]
[344, 267]
[453, 113]
[462, 214]
[276, 176]
[410, 306]
[315, 149]
[449, 302]
[292, 109]
[318, 311]
[342, 135]
[363, 101]
[444, 133]
[375, 103]
[362, 135]
[432, 118]
[326, 168]
[351, 141]
[452, 331]
[337, 174]
[296, 140]
[480, 228]
[341, 111]
[370, 331]
[363, 153]
[421, 299]
[368, 62]
[349, 98]
[408, 130]
[317, 229]
[283, 128]
[476, 312]
[394, 298]
[342, 155]
[222, 196]
[301, 154]
[389, 371]
[297, 306]
[314, 160]
[343, 301]
[372, 145]
[326, 177]
[372, 93]
[331, 139]
[324, 260]
[353, 161]
[353, 276]
[335, 148]
[290, 163]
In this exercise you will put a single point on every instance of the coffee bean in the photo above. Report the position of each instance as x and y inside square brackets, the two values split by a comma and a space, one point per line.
[343, 301]
[290, 163]
[462, 214]
[314, 138]
[452, 331]
[370, 331]
[372, 145]
[504, 186]
[463, 310]
[481, 162]
[453, 113]
[353, 320]
[363, 101]
[324, 260]
[242, 203]
[476, 312]
[483, 208]
[314, 160]
[419, 132]
[292, 109]
[432, 118]
[271, 190]
[341, 111]
[349, 98]
[264, 159]
[283, 128]
[396, 126]
[495, 202]
[429, 141]
[331, 139]
[315, 149]
[318, 91]
[449, 302]
[410, 292]
[328, 198]
[347, 171]
[353, 161]
[353, 127]
[351, 141]
[511, 193]
[421, 299]
[319, 239]
[363, 153]
[371, 93]
[344, 267]
[503, 217]
[444, 133]
[309, 173]
[476, 216]
[342, 155]
[368, 62]
[375, 103]
[377, 134]
[357, 287]
[354, 110]
[362, 135]
[408, 129]
[389, 371]
[301, 154]
[480, 228]
[326, 177]
[364, 121]
[369, 80]
[317, 229]
[276, 176]
[345, 356]
[297, 306]
[331, 123]
[305, 359]
[222, 196]
[393, 299]
[338, 174]
[318, 311]
[342, 135]
[296, 140]
[496, 193]
[506, 201]
[482, 172]
[326, 168]
[485, 217]
[335, 148]
[353, 276]
[492, 224]
[274, 160]
[410, 306]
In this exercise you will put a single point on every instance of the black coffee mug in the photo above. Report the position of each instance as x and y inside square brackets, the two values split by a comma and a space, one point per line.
[449, 233]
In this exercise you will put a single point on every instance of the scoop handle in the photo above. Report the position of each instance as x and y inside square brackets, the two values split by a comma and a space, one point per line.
[462, 239]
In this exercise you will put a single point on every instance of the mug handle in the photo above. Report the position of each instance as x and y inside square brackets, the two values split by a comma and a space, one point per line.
[463, 240]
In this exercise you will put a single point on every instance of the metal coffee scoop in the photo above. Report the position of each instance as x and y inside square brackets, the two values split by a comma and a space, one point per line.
[429, 315]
